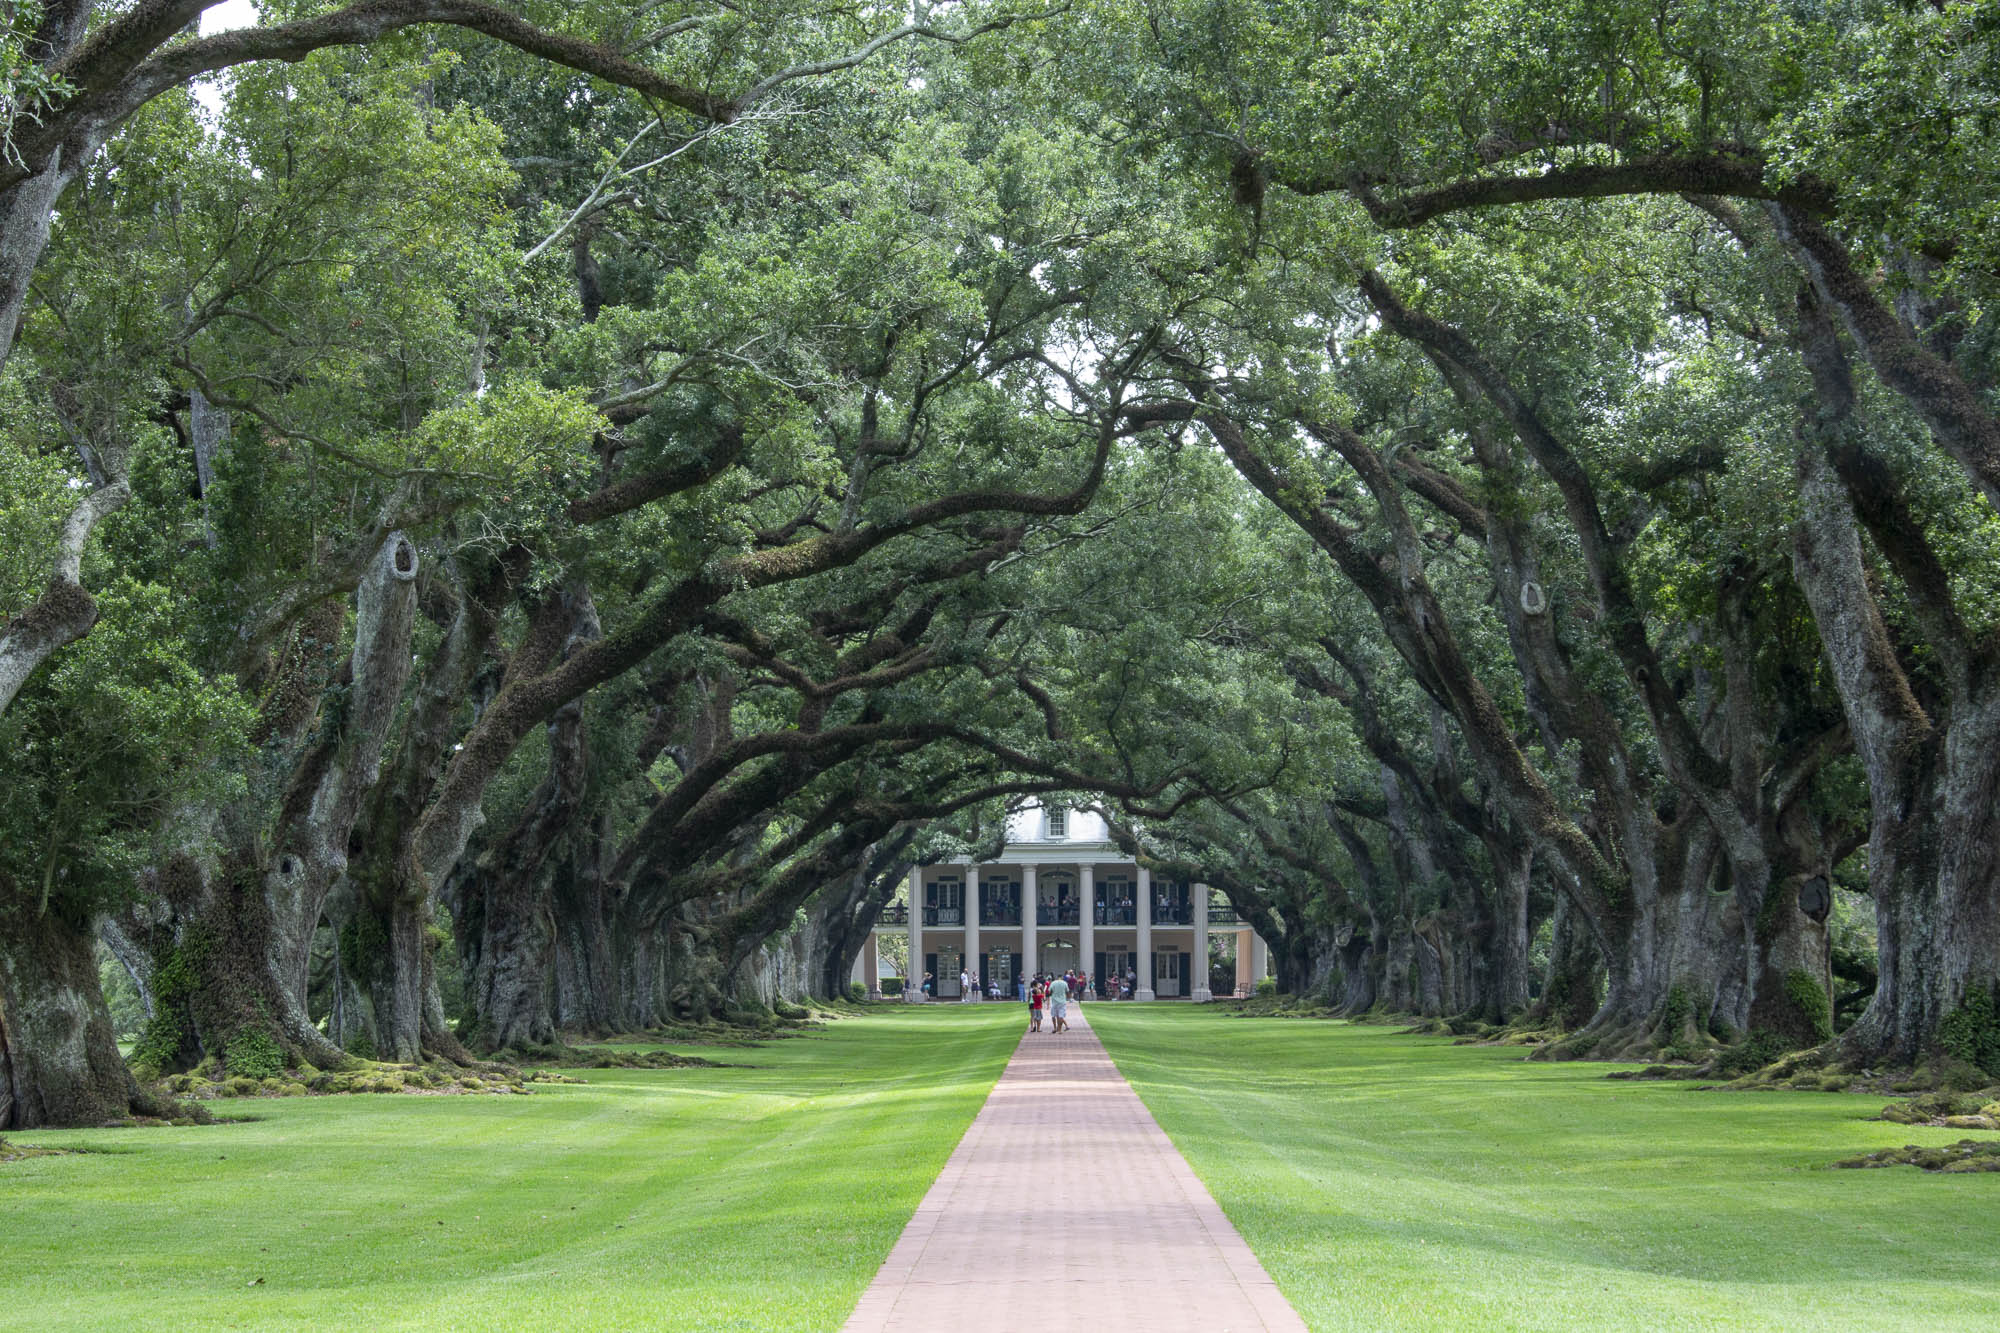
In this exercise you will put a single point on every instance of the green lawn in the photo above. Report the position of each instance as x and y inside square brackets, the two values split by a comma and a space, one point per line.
[757, 1198]
[1393, 1182]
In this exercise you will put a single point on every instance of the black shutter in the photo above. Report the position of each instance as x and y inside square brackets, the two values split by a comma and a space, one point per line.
[930, 966]
[1187, 977]
[1097, 970]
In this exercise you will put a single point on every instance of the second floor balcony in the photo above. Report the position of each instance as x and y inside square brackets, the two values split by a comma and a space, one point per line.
[1005, 914]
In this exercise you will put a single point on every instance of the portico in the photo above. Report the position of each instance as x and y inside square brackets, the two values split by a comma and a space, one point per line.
[1056, 899]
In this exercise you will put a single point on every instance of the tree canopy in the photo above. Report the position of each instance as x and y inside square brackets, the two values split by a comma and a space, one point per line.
[510, 512]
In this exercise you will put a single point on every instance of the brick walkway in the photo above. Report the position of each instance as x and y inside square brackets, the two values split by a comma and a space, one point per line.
[1065, 1205]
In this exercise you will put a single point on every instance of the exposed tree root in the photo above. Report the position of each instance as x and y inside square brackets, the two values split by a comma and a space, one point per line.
[434, 1078]
[1967, 1155]
[20, 1152]
[1294, 1006]
[1829, 1068]
[603, 1057]
[1948, 1110]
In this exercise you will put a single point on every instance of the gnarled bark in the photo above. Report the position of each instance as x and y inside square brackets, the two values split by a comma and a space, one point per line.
[59, 1060]
[509, 888]
[1933, 771]
[65, 612]
[237, 933]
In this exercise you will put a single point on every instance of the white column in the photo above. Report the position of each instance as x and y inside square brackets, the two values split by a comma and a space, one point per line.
[1245, 983]
[1086, 928]
[1260, 959]
[913, 983]
[1030, 902]
[871, 966]
[972, 932]
[1145, 946]
[1199, 981]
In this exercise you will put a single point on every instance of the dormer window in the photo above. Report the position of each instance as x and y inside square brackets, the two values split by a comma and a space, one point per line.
[1058, 824]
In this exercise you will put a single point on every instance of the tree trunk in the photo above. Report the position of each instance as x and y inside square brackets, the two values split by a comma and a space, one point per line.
[1430, 959]
[1397, 995]
[1357, 970]
[235, 944]
[396, 979]
[26, 210]
[1666, 967]
[1933, 774]
[586, 964]
[1298, 959]
[508, 991]
[1792, 992]
[1936, 883]
[1576, 970]
[1509, 996]
[59, 1060]
[509, 996]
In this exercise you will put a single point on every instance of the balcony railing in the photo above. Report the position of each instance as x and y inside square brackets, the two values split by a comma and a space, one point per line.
[1062, 914]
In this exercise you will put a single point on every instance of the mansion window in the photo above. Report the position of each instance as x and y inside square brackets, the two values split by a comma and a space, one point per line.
[1058, 824]
[1116, 904]
[1060, 904]
[944, 902]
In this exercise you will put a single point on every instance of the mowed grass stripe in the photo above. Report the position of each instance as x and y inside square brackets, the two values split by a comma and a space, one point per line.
[1393, 1182]
[758, 1197]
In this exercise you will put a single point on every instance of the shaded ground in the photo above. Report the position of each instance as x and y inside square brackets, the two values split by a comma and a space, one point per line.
[1399, 1182]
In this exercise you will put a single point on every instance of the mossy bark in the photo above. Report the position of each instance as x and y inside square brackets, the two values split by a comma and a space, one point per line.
[59, 1060]
[1575, 973]
[507, 896]
[1930, 744]
[1794, 963]
[508, 973]
[1508, 996]
[1357, 973]
[585, 964]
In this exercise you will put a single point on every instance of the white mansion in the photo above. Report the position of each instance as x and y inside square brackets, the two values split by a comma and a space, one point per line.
[1060, 896]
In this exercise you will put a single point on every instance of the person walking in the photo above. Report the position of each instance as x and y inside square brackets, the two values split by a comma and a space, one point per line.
[1059, 1005]
[1035, 1005]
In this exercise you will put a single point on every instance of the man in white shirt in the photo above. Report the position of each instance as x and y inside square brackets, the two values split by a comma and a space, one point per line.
[964, 986]
[1059, 1004]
